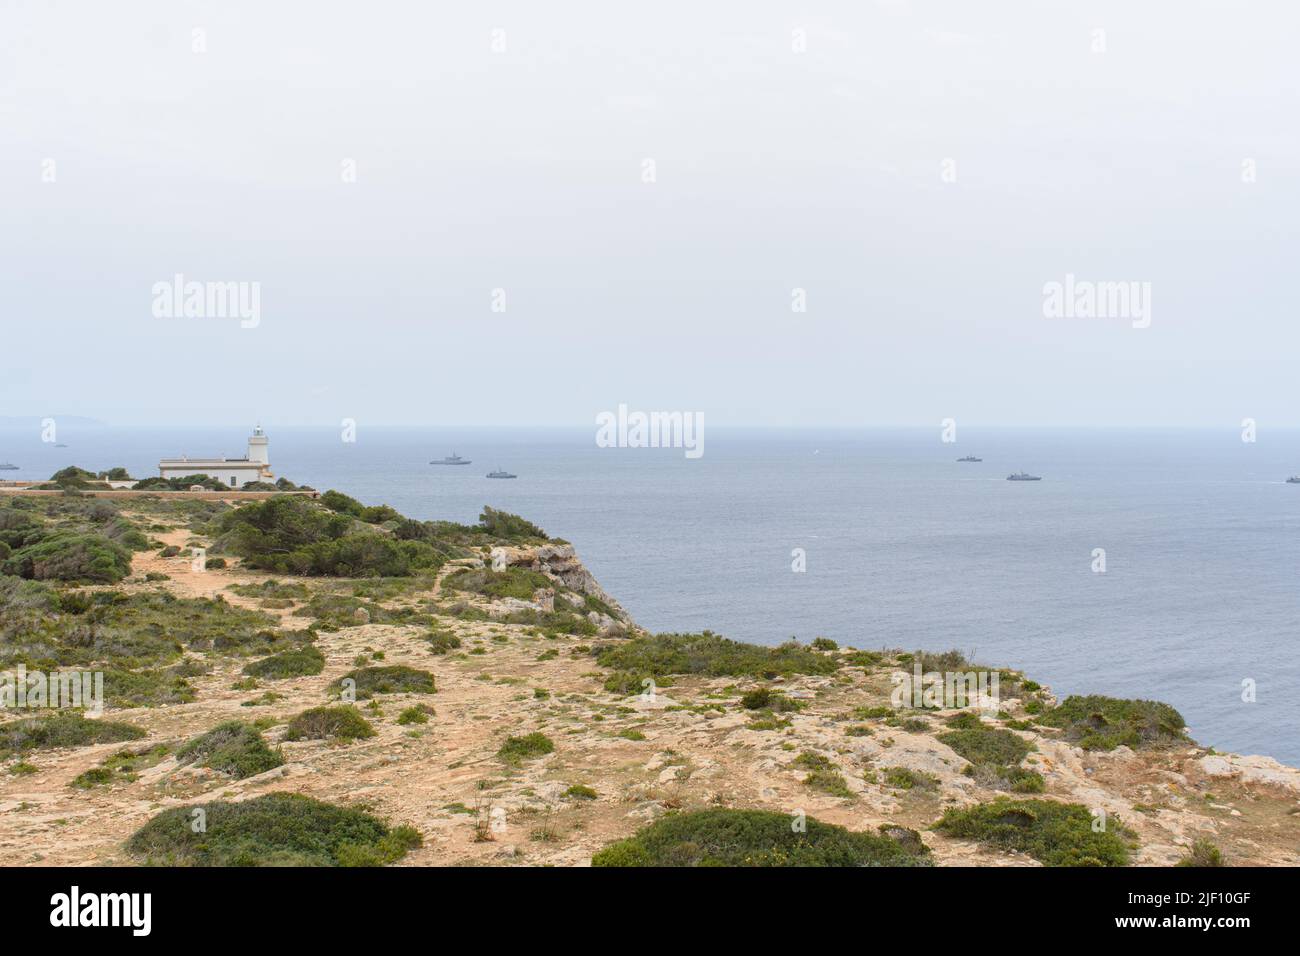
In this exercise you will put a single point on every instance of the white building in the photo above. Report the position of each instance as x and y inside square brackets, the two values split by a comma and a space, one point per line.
[235, 472]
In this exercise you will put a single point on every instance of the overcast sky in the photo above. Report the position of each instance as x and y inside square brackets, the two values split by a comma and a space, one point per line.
[921, 170]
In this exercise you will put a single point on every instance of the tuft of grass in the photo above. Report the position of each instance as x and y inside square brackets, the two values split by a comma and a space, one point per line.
[580, 791]
[1054, 833]
[905, 779]
[394, 679]
[442, 642]
[1104, 723]
[709, 654]
[723, 837]
[300, 662]
[823, 774]
[278, 829]
[419, 714]
[62, 730]
[324, 723]
[983, 745]
[527, 747]
[233, 747]
[1203, 853]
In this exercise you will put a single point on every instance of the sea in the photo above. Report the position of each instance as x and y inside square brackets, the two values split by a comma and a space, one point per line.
[1159, 564]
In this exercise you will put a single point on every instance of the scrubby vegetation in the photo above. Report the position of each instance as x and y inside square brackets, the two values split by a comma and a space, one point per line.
[518, 583]
[709, 654]
[321, 723]
[994, 755]
[1054, 833]
[299, 662]
[69, 556]
[279, 829]
[339, 537]
[1104, 723]
[1202, 853]
[756, 838]
[823, 775]
[62, 730]
[233, 747]
[47, 629]
[531, 745]
[395, 679]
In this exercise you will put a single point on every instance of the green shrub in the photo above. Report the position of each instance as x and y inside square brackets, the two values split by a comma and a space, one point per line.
[300, 662]
[1104, 723]
[68, 556]
[723, 837]
[145, 688]
[94, 777]
[983, 745]
[322, 723]
[824, 644]
[1202, 853]
[519, 583]
[414, 715]
[823, 774]
[527, 747]
[62, 730]
[580, 791]
[503, 524]
[393, 679]
[278, 829]
[441, 642]
[905, 779]
[1054, 833]
[232, 747]
[708, 654]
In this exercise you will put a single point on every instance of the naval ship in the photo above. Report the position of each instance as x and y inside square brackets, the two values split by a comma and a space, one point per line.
[970, 458]
[5, 466]
[1293, 480]
[1023, 476]
[452, 459]
[500, 474]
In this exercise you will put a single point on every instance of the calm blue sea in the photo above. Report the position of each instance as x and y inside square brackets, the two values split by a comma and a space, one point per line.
[905, 547]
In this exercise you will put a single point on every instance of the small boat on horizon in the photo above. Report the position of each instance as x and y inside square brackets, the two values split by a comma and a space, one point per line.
[1023, 476]
[6, 466]
[500, 474]
[970, 458]
[452, 459]
[1293, 480]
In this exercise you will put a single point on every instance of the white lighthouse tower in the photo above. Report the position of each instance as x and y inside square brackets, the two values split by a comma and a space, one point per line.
[257, 446]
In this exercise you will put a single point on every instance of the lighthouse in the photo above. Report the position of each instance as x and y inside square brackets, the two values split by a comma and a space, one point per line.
[257, 446]
[255, 466]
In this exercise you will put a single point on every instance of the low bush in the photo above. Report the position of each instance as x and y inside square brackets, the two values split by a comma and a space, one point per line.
[323, 723]
[708, 654]
[300, 662]
[527, 747]
[278, 829]
[62, 730]
[234, 748]
[394, 679]
[1054, 833]
[1104, 723]
[723, 837]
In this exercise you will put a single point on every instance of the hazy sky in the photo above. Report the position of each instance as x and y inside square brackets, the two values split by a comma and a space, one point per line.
[523, 170]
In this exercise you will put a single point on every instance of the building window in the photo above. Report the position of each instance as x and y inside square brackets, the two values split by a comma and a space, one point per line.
[233, 482]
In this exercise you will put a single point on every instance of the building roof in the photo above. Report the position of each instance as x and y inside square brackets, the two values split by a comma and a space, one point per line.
[213, 462]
